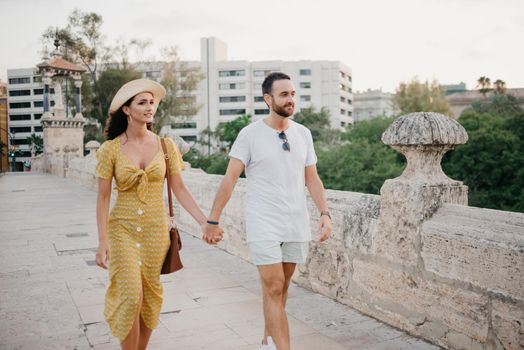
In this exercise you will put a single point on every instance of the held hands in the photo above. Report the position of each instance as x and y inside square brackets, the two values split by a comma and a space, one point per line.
[102, 255]
[212, 234]
[325, 227]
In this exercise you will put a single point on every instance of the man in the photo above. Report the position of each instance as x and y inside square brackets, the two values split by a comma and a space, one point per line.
[279, 159]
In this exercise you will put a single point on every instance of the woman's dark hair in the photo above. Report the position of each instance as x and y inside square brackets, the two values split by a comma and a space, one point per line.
[267, 84]
[117, 122]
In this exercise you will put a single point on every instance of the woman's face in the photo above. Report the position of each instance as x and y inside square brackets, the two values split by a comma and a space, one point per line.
[142, 108]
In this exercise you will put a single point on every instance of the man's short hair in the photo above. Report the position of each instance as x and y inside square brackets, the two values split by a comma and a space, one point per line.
[267, 85]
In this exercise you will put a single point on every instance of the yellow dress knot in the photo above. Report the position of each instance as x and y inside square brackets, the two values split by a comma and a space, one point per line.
[140, 177]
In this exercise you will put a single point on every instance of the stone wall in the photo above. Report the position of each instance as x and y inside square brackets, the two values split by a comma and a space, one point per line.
[416, 257]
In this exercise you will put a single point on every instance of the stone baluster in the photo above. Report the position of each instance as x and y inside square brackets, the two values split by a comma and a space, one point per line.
[406, 201]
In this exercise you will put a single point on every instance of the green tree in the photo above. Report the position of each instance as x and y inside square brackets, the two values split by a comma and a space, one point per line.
[2, 147]
[491, 163]
[227, 132]
[82, 40]
[416, 96]
[484, 85]
[36, 142]
[499, 86]
[180, 82]
[361, 166]
[319, 123]
[108, 83]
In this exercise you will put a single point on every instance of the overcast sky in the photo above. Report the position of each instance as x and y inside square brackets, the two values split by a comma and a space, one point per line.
[382, 41]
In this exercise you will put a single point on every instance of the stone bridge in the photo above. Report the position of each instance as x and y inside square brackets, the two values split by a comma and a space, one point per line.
[416, 257]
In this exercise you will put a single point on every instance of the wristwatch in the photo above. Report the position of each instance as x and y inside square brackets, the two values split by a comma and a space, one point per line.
[326, 212]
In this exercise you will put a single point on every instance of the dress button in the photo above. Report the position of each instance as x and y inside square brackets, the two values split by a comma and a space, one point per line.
[140, 212]
[138, 245]
[139, 229]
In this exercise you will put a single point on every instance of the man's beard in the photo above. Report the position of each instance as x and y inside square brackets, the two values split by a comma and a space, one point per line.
[281, 111]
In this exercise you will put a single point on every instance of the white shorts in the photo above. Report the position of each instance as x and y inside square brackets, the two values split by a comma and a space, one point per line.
[273, 252]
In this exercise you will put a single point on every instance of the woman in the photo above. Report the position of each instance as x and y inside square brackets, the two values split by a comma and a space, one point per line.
[133, 239]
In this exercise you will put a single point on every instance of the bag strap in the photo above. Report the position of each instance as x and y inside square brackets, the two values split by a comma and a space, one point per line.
[166, 157]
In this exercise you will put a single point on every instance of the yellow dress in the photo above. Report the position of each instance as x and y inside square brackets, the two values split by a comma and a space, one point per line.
[137, 233]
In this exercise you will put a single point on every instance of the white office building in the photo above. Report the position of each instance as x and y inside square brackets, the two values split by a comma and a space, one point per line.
[233, 88]
[25, 108]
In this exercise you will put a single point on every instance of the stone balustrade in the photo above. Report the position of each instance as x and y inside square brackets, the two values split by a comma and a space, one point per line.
[416, 257]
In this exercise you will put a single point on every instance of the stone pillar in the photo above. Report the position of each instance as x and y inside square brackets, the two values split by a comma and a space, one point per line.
[410, 199]
[92, 146]
[46, 79]
[78, 85]
[59, 111]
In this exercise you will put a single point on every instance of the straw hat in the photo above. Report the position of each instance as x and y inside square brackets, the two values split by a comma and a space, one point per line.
[134, 87]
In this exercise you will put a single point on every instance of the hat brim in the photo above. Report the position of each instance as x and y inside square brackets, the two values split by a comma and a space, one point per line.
[133, 88]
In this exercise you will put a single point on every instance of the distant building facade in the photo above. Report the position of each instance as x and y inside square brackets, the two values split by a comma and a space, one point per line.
[372, 104]
[25, 108]
[462, 100]
[233, 88]
[4, 136]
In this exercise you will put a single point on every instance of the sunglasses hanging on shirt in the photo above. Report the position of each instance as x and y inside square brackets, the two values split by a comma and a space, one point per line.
[285, 142]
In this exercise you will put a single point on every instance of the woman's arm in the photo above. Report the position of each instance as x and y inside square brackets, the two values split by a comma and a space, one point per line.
[102, 215]
[186, 199]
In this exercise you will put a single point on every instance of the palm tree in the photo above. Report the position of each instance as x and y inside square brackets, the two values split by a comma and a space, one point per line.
[485, 85]
[37, 144]
[500, 86]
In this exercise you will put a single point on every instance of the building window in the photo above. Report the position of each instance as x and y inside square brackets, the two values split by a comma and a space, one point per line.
[24, 153]
[153, 74]
[350, 101]
[259, 98]
[305, 110]
[342, 87]
[261, 72]
[38, 103]
[184, 125]
[350, 113]
[15, 105]
[19, 142]
[17, 117]
[38, 129]
[343, 124]
[20, 93]
[25, 80]
[190, 138]
[37, 116]
[37, 79]
[232, 99]
[305, 85]
[232, 73]
[38, 91]
[305, 72]
[305, 98]
[343, 75]
[343, 111]
[232, 111]
[261, 111]
[231, 86]
[342, 99]
[20, 129]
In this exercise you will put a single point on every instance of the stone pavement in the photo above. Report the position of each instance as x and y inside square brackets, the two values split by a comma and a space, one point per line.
[52, 293]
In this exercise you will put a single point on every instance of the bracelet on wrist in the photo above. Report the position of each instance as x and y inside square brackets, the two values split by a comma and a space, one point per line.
[325, 212]
[211, 222]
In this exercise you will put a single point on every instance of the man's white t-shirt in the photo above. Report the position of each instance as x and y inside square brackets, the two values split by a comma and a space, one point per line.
[276, 207]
